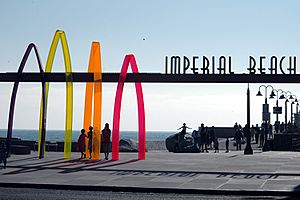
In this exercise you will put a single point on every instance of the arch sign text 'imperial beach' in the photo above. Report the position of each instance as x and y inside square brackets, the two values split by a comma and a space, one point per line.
[178, 69]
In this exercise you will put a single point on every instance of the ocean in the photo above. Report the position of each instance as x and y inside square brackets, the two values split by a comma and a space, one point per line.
[58, 135]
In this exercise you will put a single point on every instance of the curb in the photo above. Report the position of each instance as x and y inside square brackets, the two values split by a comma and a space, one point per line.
[152, 190]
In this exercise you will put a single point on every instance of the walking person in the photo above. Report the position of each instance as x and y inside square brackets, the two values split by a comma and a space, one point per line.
[90, 143]
[105, 138]
[81, 144]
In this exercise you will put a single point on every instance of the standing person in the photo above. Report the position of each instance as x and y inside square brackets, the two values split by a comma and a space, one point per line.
[90, 143]
[227, 145]
[81, 143]
[3, 154]
[212, 136]
[270, 131]
[262, 135]
[202, 137]
[252, 130]
[184, 127]
[105, 138]
[206, 138]
[216, 145]
[181, 136]
[281, 127]
[256, 134]
[198, 138]
[238, 139]
[236, 127]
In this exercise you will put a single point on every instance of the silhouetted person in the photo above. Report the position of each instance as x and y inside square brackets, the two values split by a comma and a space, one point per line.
[216, 145]
[181, 136]
[276, 126]
[204, 138]
[247, 134]
[238, 139]
[90, 143]
[252, 130]
[198, 138]
[281, 127]
[81, 143]
[106, 132]
[256, 134]
[3, 154]
[212, 135]
[270, 131]
[236, 127]
[184, 127]
[262, 137]
[227, 145]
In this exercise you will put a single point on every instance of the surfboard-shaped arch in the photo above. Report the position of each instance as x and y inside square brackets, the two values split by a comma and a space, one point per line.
[129, 60]
[30, 47]
[59, 36]
[96, 89]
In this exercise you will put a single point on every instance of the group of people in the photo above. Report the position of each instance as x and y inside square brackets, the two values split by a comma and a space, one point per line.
[105, 141]
[204, 138]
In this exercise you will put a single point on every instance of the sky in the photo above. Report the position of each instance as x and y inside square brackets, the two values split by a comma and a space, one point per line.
[150, 30]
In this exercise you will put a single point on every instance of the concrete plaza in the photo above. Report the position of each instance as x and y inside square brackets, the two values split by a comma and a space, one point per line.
[234, 172]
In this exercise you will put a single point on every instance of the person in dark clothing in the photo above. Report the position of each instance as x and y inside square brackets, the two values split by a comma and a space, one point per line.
[212, 136]
[181, 136]
[204, 138]
[3, 154]
[216, 145]
[105, 138]
[184, 127]
[281, 127]
[90, 143]
[227, 145]
[81, 144]
[256, 134]
[238, 139]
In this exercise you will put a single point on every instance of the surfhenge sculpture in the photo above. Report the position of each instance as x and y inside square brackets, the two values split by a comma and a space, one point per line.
[93, 89]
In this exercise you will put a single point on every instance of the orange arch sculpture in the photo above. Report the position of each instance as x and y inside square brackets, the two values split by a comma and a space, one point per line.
[129, 60]
[96, 86]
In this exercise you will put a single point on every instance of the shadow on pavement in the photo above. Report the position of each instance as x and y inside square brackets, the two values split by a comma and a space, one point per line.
[64, 166]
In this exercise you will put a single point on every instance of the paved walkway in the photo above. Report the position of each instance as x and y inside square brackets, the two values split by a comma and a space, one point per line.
[175, 172]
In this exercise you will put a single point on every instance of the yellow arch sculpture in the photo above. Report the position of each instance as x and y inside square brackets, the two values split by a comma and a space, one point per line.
[96, 88]
[60, 35]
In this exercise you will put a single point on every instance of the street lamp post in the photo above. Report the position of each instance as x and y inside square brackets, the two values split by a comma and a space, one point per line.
[285, 106]
[271, 97]
[266, 114]
[248, 150]
[295, 101]
[276, 111]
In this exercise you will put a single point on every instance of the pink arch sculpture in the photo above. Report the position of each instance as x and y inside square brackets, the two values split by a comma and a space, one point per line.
[129, 59]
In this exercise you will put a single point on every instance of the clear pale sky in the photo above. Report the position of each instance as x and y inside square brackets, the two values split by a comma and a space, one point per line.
[211, 28]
